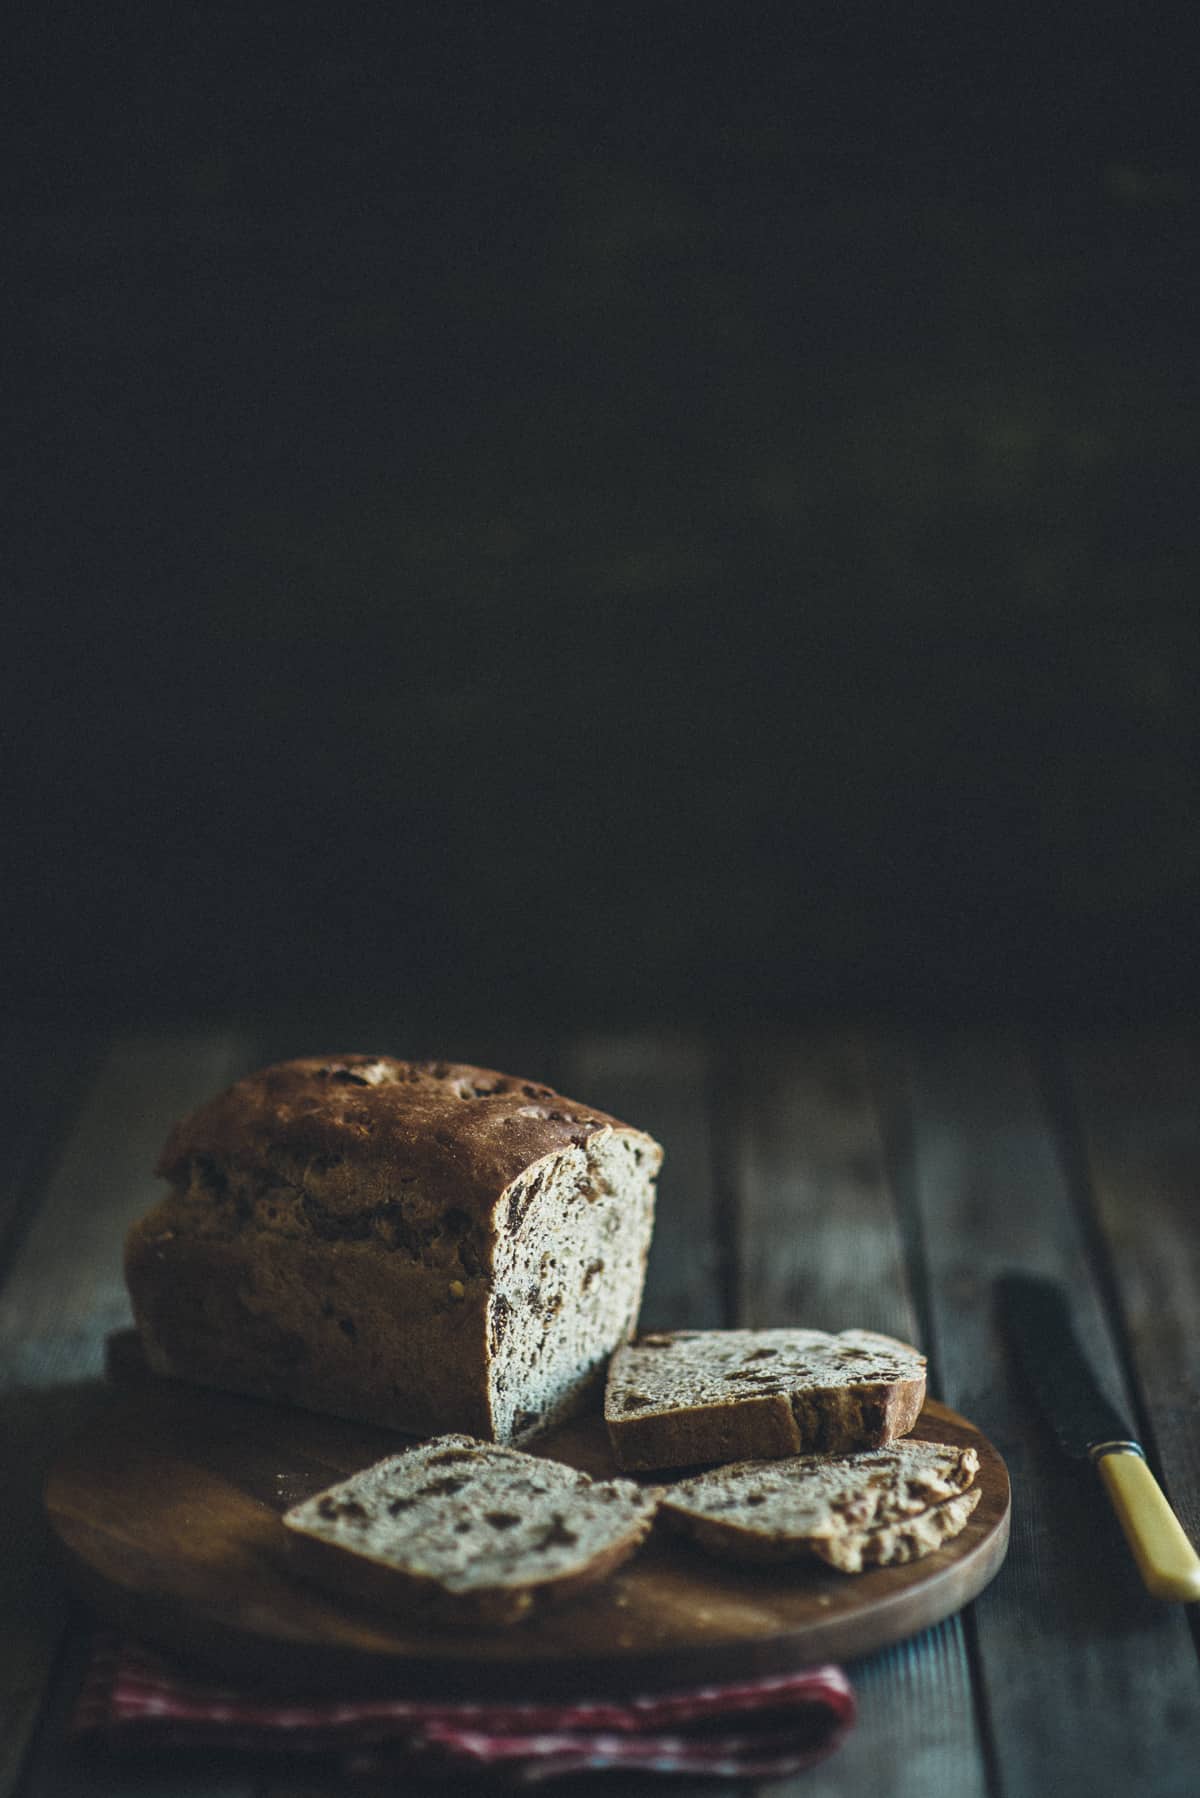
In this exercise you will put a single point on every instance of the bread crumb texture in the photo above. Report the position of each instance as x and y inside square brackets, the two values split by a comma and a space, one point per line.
[687, 1397]
[473, 1530]
[853, 1511]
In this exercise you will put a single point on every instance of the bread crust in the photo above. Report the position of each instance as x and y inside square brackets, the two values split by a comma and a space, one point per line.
[461, 1133]
[268, 1320]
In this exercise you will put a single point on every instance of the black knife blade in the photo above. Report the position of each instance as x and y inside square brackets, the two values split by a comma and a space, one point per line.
[1036, 1315]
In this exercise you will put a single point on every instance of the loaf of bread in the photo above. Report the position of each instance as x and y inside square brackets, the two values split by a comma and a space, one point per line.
[687, 1397]
[854, 1511]
[421, 1245]
[464, 1532]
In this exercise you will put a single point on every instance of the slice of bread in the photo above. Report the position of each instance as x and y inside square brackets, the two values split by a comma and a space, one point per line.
[854, 1511]
[907, 1540]
[465, 1532]
[687, 1397]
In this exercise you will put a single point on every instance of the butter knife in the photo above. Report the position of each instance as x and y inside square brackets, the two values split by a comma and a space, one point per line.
[1036, 1317]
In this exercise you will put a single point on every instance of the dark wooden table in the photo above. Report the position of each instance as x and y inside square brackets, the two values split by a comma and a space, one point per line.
[836, 1178]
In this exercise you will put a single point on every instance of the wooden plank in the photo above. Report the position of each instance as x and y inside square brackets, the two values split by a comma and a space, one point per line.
[823, 1244]
[67, 1279]
[916, 1730]
[662, 1084]
[1090, 1685]
[43, 1076]
[1139, 1109]
[63, 1292]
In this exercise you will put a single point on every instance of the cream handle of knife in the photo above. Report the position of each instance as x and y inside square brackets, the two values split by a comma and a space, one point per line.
[1166, 1559]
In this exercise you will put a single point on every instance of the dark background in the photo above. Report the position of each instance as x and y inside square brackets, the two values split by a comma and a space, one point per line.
[610, 513]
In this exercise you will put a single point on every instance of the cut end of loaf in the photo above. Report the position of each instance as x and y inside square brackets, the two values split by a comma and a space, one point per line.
[572, 1239]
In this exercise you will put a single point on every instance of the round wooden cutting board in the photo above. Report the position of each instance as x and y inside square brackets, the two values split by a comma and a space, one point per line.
[168, 1506]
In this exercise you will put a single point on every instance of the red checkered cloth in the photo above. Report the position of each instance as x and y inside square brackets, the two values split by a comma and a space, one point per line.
[763, 1728]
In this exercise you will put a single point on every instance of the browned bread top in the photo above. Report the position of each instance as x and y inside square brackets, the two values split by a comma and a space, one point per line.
[459, 1134]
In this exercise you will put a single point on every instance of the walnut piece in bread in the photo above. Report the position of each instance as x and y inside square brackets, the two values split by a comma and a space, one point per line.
[424, 1245]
